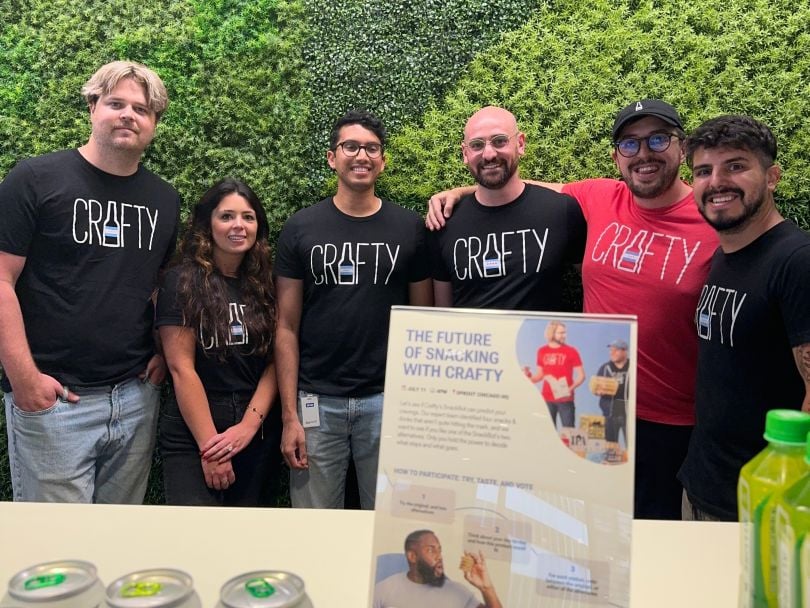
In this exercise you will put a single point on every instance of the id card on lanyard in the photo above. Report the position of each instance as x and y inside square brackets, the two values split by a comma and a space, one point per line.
[310, 413]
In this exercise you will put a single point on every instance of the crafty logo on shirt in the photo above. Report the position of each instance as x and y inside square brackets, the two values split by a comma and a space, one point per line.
[629, 250]
[716, 314]
[551, 359]
[113, 224]
[476, 258]
[237, 330]
[353, 263]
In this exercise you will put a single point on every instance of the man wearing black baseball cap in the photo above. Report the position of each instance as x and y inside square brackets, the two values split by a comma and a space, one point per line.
[647, 254]
[647, 107]
[613, 396]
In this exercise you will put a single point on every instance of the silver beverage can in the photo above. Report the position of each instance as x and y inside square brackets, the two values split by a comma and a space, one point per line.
[264, 589]
[60, 584]
[155, 588]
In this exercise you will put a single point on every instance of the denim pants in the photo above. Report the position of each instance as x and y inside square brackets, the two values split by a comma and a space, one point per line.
[97, 450]
[183, 477]
[566, 411]
[614, 422]
[349, 428]
[689, 512]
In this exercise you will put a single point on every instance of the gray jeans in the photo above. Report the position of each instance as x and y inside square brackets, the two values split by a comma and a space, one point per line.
[690, 512]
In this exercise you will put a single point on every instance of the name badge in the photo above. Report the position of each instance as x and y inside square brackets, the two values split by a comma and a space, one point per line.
[310, 414]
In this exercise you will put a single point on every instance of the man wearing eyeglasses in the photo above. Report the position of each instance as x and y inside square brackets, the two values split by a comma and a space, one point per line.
[508, 245]
[340, 266]
[647, 253]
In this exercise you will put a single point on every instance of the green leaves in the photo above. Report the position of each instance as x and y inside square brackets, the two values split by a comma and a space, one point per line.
[567, 72]
[255, 85]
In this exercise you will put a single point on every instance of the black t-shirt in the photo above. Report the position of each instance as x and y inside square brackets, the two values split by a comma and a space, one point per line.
[353, 270]
[754, 307]
[615, 404]
[93, 244]
[240, 369]
[511, 256]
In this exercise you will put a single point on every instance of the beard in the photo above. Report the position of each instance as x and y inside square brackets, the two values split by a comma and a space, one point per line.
[429, 574]
[494, 180]
[666, 176]
[732, 223]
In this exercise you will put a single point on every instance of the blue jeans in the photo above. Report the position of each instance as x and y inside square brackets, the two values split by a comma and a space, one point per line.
[96, 450]
[565, 409]
[349, 428]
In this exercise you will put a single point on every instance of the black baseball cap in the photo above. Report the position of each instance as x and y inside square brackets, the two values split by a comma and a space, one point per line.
[646, 107]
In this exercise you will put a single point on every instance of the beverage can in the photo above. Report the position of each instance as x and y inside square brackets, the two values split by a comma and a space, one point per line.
[263, 589]
[58, 584]
[154, 588]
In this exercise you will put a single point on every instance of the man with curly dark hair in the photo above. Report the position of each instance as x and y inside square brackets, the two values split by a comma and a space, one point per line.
[752, 318]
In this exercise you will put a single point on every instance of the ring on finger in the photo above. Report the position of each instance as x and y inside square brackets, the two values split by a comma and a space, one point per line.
[229, 448]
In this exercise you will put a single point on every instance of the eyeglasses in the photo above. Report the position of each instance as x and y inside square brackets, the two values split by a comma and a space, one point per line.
[352, 148]
[657, 142]
[498, 142]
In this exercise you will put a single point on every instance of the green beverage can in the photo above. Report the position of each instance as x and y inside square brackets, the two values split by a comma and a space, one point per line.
[155, 588]
[264, 589]
[60, 584]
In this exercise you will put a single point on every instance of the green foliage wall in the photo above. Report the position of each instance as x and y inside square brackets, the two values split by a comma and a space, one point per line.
[233, 70]
[256, 84]
[393, 57]
[568, 71]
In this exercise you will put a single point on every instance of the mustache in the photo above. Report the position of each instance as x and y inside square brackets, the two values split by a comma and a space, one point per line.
[646, 161]
[711, 192]
[500, 162]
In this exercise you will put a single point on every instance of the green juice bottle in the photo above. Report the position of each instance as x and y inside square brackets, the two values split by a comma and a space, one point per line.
[774, 468]
[793, 539]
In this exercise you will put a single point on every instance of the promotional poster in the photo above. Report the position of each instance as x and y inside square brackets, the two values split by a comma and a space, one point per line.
[506, 463]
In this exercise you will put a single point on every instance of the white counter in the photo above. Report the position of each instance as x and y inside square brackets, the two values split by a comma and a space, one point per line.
[675, 564]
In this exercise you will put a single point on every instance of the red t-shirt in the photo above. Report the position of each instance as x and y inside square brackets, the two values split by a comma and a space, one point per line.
[558, 362]
[651, 263]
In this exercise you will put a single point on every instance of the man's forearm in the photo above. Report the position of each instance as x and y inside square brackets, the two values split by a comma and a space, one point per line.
[15, 354]
[801, 354]
[490, 598]
[286, 351]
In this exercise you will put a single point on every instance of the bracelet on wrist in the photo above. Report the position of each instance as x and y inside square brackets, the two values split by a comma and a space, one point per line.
[261, 420]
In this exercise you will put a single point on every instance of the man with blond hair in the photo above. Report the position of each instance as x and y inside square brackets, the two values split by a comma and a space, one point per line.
[84, 235]
[559, 368]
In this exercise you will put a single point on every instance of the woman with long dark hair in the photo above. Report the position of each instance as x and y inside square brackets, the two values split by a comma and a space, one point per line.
[216, 315]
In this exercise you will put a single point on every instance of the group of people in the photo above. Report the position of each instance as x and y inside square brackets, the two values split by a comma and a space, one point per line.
[560, 371]
[96, 307]
[718, 279]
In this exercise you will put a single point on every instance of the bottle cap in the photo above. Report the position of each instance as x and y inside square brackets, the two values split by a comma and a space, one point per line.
[787, 426]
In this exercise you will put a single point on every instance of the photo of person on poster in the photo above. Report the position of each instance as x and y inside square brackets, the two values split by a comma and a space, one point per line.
[610, 384]
[559, 366]
[425, 584]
